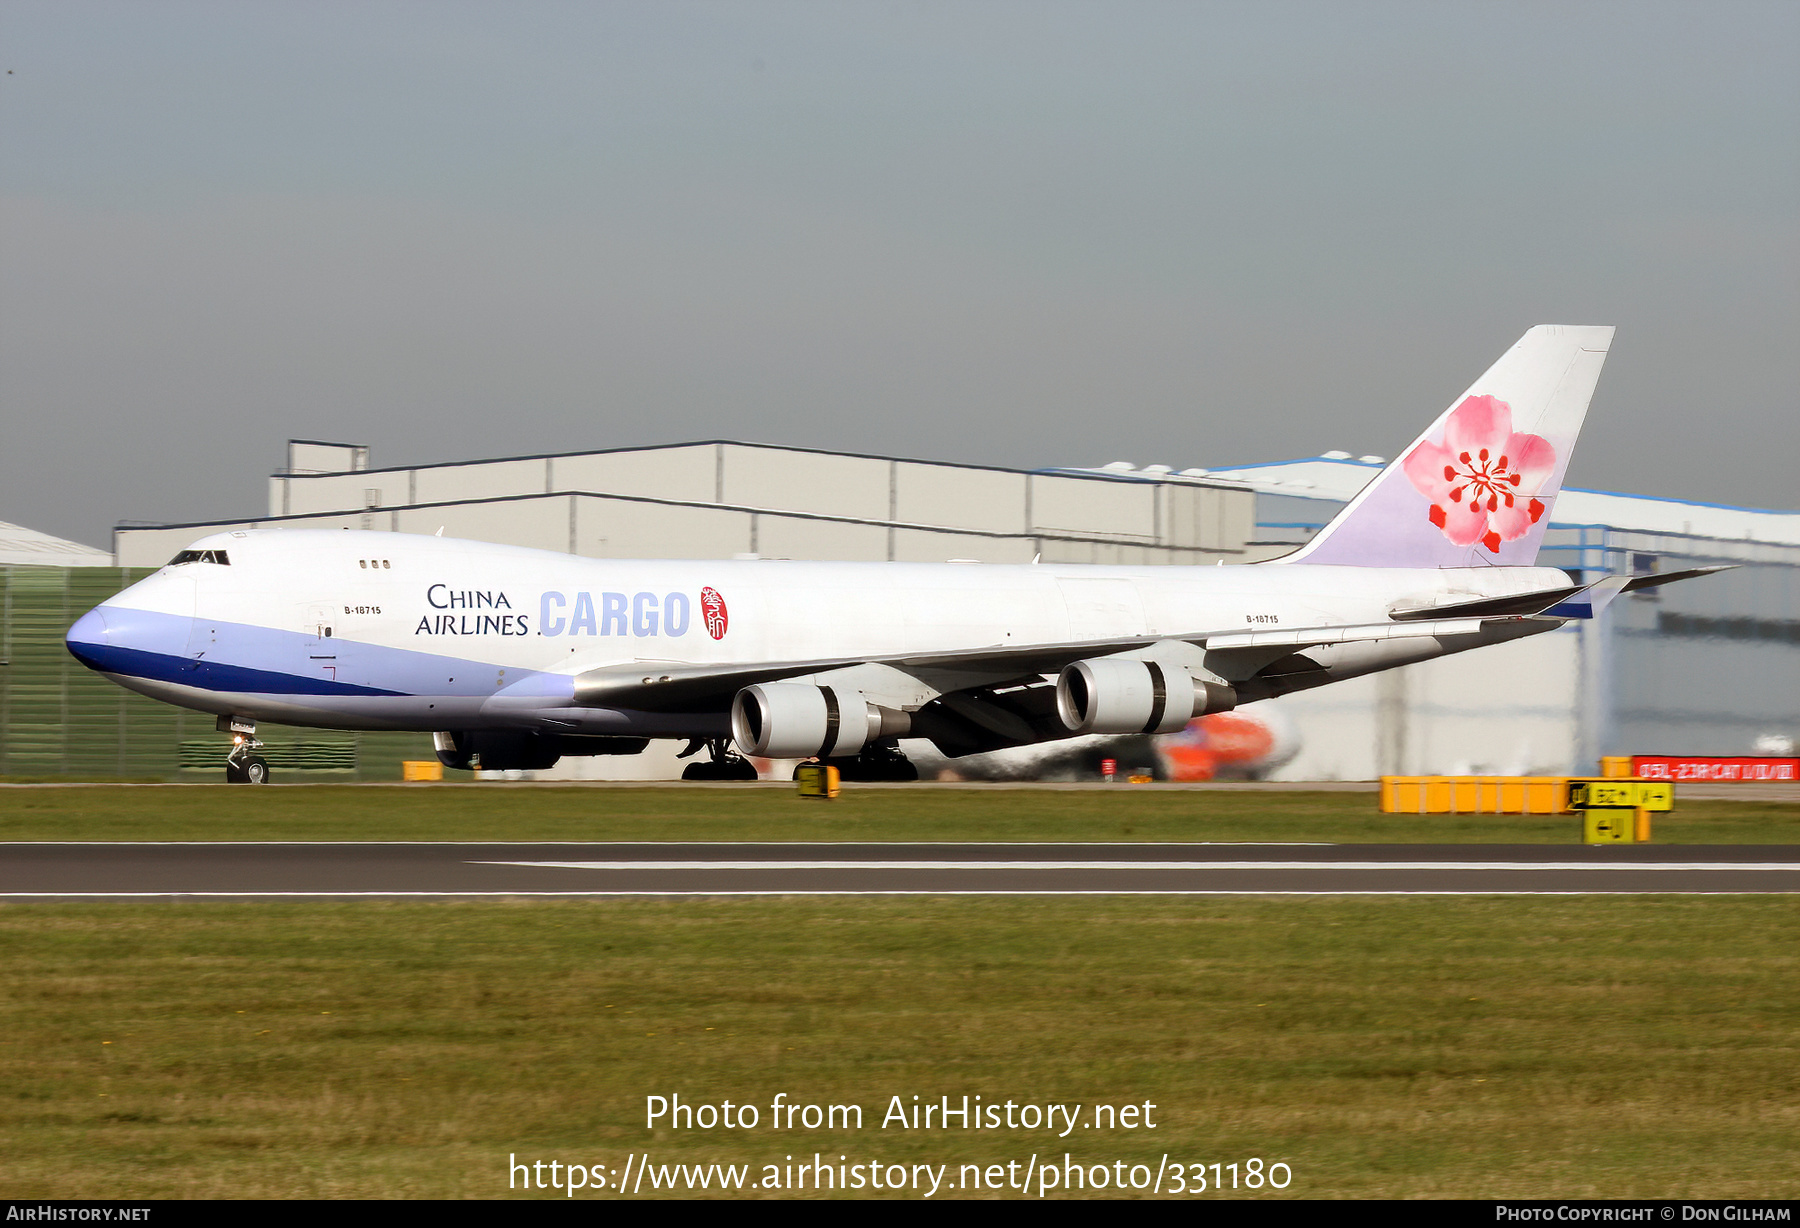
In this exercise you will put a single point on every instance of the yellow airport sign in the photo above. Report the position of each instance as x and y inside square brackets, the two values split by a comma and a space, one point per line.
[1621, 795]
[1474, 794]
[816, 780]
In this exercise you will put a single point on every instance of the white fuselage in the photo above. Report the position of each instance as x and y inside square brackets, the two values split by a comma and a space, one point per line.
[392, 631]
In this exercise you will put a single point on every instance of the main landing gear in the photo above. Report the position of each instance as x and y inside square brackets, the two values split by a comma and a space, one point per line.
[878, 761]
[724, 763]
[243, 766]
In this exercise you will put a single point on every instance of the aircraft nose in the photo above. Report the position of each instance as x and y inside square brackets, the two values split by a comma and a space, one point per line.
[86, 640]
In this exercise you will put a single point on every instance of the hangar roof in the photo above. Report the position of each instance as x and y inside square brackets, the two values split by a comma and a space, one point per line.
[20, 545]
[1338, 477]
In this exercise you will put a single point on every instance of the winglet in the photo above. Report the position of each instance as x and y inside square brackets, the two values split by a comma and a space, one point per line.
[1478, 486]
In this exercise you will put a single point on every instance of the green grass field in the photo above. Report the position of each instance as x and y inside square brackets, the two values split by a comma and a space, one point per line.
[1597, 1046]
[1468, 1047]
[926, 812]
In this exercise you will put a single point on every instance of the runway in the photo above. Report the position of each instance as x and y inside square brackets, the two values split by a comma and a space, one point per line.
[45, 871]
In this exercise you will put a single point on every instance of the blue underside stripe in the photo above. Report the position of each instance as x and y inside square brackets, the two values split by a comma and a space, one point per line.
[209, 675]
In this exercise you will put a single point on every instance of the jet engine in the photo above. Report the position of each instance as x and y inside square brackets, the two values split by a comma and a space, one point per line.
[1126, 695]
[795, 720]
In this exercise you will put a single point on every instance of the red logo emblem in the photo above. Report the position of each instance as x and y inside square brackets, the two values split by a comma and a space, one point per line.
[712, 608]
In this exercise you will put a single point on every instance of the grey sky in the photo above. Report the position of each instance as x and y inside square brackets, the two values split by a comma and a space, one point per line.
[1024, 234]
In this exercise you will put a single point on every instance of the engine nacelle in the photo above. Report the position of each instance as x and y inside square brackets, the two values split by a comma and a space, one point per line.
[1117, 695]
[795, 720]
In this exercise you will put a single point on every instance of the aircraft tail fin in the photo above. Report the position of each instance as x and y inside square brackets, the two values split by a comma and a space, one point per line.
[1477, 487]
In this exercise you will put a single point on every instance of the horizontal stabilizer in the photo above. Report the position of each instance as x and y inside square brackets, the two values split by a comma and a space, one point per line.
[1658, 579]
[1569, 601]
[1596, 597]
[1590, 601]
[1535, 602]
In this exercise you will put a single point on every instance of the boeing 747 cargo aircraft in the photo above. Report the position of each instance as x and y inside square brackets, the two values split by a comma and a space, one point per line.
[514, 657]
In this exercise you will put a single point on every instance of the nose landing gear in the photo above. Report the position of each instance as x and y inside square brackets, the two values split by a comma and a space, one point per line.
[243, 766]
[724, 763]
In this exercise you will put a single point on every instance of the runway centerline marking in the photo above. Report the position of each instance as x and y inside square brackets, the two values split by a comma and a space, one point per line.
[784, 891]
[1148, 865]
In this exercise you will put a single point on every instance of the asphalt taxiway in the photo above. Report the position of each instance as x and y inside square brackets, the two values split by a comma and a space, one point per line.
[43, 870]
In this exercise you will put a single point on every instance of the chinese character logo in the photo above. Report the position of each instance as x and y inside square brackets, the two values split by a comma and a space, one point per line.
[712, 608]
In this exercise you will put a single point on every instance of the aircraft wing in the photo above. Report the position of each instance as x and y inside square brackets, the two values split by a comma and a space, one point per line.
[1234, 654]
[656, 687]
[653, 687]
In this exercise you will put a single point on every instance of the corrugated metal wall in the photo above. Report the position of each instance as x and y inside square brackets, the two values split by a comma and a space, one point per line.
[58, 718]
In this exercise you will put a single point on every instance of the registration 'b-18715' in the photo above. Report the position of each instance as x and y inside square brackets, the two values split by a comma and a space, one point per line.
[513, 658]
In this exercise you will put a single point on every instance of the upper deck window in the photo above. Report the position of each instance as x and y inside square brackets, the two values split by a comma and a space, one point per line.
[220, 557]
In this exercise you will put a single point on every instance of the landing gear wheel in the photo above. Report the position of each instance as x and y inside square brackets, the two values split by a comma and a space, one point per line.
[725, 764]
[734, 768]
[243, 766]
[876, 763]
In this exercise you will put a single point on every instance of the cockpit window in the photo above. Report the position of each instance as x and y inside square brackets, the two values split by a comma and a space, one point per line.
[220, 557]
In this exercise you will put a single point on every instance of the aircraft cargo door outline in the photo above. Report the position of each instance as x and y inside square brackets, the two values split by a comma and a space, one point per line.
[1102, 608]
[321, 645]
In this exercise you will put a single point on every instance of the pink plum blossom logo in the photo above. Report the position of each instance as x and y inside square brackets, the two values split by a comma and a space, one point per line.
[1483, 479]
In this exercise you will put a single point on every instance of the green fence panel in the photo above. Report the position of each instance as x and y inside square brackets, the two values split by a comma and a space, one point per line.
[58, 718]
